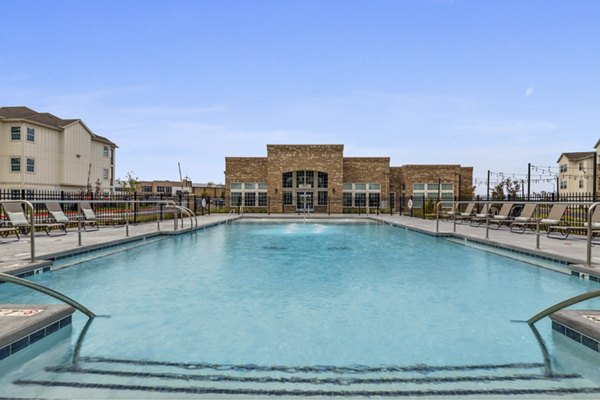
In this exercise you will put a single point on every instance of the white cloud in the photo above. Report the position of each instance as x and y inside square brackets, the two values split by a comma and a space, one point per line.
[529, 90]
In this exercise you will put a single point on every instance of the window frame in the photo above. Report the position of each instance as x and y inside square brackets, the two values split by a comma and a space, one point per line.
[30, 136]
[30, 162]
[15, 133]
[14, 164]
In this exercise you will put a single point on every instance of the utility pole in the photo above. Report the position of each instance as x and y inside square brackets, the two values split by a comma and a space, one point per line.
[528, 181]
[488, 186]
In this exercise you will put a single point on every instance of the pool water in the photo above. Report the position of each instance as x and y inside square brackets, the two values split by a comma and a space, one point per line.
[284, 295]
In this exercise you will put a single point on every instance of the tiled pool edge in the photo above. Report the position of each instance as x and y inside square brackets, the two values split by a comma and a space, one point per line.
[26, 331]
[573, 324]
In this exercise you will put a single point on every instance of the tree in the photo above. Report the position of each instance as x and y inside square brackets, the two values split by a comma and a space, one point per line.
[98, 187]
[506, 187]
[130, 183]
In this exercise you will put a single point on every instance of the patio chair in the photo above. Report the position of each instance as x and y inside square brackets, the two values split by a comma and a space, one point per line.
[503, 216]
[524, 219]
[480, 217]
[18, 219]
[552, 221]
[89, 215]
[59, 216]
[465, 214]
[565, 231]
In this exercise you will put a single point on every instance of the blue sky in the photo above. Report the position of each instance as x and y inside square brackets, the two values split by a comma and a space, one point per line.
[490, 84]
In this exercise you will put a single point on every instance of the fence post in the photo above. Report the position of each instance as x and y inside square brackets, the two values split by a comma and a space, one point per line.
[423, 206]
[161, 207]
[135, 208]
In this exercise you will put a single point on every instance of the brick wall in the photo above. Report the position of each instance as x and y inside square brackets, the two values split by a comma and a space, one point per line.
[368, 170]
[286, 158]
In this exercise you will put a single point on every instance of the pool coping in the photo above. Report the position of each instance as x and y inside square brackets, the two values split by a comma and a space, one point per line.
[18, 332]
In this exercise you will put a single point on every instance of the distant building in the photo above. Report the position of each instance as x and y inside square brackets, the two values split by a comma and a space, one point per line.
[40, 151]
[169, 188]
[211, 190]
[293, 178]
[576, 172]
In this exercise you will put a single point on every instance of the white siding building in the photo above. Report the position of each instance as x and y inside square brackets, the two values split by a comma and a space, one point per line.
[576, 172]
[39, 151]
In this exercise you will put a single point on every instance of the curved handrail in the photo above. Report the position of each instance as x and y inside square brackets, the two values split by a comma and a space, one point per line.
[191, 213]
[46, 290]
[563, 304]
[185, 210]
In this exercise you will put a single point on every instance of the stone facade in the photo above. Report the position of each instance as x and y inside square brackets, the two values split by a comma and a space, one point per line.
[319, 178]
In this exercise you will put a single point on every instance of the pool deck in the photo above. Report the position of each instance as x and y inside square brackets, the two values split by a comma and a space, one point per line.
[15, 255]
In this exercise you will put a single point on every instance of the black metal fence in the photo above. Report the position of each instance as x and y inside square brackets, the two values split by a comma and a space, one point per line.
[145, 208]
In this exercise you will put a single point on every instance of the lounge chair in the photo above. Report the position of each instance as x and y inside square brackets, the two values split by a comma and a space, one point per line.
[503, 216]
[565, 231]
[551, 222]
[59, 216]
[89, 215]
[524, 219]
[481, 216]
[465, 214]
[18, 219]
[6, 230]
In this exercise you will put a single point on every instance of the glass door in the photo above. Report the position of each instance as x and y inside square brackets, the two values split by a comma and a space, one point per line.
[304, 201]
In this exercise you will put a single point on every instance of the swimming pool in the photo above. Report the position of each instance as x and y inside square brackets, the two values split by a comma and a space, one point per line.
[302, 309]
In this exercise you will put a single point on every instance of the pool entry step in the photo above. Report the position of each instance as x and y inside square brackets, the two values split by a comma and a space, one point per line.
[123, 378]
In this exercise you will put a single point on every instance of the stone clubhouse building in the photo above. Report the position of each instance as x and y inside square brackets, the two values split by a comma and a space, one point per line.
[318, 178]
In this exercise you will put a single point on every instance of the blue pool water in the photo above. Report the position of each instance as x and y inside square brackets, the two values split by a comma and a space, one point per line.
[299, 294]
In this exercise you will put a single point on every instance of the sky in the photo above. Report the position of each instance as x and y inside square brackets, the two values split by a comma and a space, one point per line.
[491, 84]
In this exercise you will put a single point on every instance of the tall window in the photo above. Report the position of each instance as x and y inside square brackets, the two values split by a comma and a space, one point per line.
[105, 151]
[287, 199]
[581, 165]
[30, 135]
[563, 184]
[15, 164]
[15, 133]
[30, 165]
[563, 167]
[581, 184]
[287, 180]
[105, 174]
[322, 180]
[322, 198]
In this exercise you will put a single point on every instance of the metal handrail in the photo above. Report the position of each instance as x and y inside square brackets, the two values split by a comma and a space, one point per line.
[186, 210]
[563, 304]
[588, 257]
[31, 228]
[48, 291]
[192, 214]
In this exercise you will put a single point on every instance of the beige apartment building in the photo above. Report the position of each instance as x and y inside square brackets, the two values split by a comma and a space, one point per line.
[576, 172]
[40, 151]
[169, 188]
[318, 178]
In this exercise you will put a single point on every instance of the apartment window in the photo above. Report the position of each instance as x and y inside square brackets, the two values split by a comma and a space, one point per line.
[15, 133]
[147, 189]
[30, 165]
[581, 184]
[374, 186]
[448, 186]
[105, 174]
[418, 186]
[581, 165]
[162, 189]
[236, 186]
[15, 164]
[105, 151]
[563, 167]
[263, 186]
[30, 134]
[563, 184]
[249, 186]
[322, 198]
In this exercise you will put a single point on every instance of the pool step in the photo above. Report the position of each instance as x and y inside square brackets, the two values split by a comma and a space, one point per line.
[93, 377]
